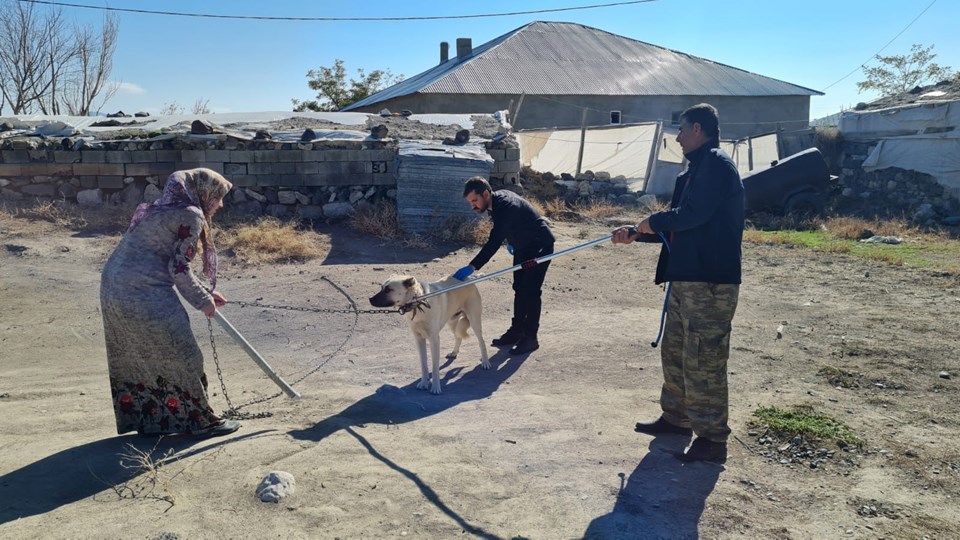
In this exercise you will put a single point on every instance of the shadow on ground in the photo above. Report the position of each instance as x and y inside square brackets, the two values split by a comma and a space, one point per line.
[348, 246]
[662, 498]
[83, 471]
[392, 405]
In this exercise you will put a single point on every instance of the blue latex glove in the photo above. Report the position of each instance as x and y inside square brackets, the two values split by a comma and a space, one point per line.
[509, 249]
[463, 273]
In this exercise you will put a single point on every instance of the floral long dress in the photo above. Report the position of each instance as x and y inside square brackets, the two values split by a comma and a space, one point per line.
[156, 367]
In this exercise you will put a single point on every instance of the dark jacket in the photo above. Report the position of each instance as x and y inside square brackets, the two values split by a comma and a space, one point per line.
[515, 221]
[705, 223]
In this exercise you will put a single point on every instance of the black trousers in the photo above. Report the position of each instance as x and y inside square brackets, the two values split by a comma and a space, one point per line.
[527, 283]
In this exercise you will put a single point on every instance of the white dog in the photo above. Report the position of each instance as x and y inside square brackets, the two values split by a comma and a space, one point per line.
[460, 309]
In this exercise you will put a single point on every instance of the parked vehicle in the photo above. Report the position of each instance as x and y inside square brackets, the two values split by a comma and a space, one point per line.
[797, 184]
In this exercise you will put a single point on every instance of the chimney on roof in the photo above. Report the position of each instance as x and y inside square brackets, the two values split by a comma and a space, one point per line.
[464, 47]
[444, 51]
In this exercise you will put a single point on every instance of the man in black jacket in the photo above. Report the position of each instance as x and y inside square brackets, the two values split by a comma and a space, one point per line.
[528, 237]
[701, 255]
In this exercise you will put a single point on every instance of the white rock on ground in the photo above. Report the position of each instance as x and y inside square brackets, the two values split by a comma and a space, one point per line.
[275, 486]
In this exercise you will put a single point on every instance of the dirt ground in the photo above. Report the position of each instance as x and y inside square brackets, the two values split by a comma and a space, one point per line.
[541, 447]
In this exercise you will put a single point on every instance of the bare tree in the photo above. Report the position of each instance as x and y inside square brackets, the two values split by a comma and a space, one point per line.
[172, 108]
[47, 66]
[94, 62]
[23, 58]
[201, 106]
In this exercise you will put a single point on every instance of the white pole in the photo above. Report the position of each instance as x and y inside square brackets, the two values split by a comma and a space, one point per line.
[531, 262]
[256, 356]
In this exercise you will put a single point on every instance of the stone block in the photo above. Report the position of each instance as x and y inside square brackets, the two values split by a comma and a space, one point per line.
[168, 156]
[217, 156]
[234, 169]
[15, 156]
[84, 169]
[269, 180]
[113, 156]
[7, 169]
[241, 156]
[90, 197]
[277, 210]
[498, 154]
[46, 169]
[149, 169]
[386, 179]
[88, 182]
[337, 210]
[39, 190]
[507, 167]
[243, 180]
[143, 156]
[193, 156]
[512, 154]
[110, 182]
[308, 167]
[112, 169]
[290, 156]
[266, 156]
[63, 156]
[91, 156]
[186, 165]
[310, 212]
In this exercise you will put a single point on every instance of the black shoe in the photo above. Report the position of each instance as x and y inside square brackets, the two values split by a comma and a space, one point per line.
[660, 427]
[527, 344]
[225, 427]
[510, 337]
[704, 450]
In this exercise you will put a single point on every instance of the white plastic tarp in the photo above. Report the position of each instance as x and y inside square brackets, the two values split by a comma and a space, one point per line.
[913, 118]
[937, 155]
[619, 151]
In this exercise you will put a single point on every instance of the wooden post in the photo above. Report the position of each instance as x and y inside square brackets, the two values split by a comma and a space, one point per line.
[654, 154]
[750, 153]
[513, 119]
[583, 137]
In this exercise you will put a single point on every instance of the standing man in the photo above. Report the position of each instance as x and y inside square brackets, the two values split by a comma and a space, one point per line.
[700, 258]
[528, 237]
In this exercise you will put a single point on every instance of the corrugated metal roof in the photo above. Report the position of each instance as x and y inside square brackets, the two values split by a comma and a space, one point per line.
[558, 58]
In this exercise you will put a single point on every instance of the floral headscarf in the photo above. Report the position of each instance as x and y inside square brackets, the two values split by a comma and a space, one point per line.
[196, 190]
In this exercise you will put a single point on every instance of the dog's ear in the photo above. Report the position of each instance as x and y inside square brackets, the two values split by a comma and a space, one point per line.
[409, 282]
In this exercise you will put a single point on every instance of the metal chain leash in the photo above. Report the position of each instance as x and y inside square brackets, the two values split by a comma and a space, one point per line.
[234, 412]
[257, 303]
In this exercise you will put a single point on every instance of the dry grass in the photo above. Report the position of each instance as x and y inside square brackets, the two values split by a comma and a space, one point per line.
[68, 216]
[270, 241]
[597, 209]
[381, 221]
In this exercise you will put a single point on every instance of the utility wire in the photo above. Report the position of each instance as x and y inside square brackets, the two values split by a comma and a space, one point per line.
[335, 19]
[861, 66]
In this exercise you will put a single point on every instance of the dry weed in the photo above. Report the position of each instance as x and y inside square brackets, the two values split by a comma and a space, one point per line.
[109, 219]
[379, 221]
[269, 241]
[151, 474]
[597, 209]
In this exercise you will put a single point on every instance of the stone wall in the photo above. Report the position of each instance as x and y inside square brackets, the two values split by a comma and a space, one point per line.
[307, 180]
[892, 192]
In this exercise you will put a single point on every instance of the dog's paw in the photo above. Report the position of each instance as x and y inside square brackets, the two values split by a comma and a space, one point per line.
[485, 364]
[451, 356]
[423, 384]
[435, 390]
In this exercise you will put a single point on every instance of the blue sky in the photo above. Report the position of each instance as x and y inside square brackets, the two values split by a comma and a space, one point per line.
[256, 65]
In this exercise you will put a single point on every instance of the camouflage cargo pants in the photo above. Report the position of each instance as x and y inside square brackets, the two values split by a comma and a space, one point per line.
[694, 353]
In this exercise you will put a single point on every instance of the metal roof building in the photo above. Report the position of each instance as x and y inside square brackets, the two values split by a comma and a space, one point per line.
[554, 71]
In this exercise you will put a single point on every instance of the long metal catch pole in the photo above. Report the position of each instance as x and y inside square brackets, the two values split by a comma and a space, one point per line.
[526, 264]
[256, 356]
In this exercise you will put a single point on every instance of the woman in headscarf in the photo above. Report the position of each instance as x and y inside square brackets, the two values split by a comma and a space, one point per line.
[156, 367]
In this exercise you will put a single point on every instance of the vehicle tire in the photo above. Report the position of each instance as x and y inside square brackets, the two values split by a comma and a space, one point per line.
[804, 204]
